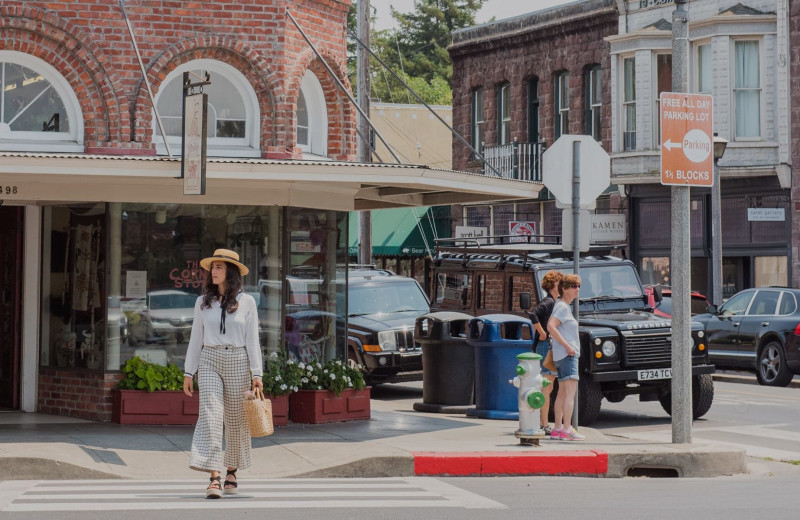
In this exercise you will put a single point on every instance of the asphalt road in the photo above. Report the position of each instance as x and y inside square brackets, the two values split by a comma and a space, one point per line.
[761, 420]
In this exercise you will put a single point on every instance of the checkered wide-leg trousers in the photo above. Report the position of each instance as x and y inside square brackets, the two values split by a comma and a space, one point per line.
[223, 376]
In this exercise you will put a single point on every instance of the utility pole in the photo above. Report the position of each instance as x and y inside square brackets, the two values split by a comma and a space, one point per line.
[680, 273]
[364, 152]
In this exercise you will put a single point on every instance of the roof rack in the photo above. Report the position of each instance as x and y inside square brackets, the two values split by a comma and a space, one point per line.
[526, 245]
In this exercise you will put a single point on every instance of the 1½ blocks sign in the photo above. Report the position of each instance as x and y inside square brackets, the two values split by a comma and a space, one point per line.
[687, 150]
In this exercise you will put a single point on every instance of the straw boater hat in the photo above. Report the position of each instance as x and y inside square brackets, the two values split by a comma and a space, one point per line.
[224, 255]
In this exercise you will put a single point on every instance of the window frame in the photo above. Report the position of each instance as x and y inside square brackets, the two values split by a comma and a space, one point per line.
[759, 89]
[594, 111]
[503, 119]
[560, 110]
[249, 145]
[71, 141]
[533, 110]
[314, 96]
[477, 119]
[698, 64]
[657, 94]
[628, 103]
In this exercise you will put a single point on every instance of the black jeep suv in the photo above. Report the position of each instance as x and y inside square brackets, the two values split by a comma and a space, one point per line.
[625, 348]
[382, 309]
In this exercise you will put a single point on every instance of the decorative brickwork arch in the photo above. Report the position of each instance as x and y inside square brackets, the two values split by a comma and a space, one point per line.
[341, 114]
[80, 61]
[231, 52]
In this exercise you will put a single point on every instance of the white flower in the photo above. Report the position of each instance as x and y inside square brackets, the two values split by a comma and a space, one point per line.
[319, 366]
[295, 388]
[303, 380]
[333, 376]
[290, 361]
[319, 388]
[314, 378]
[302, 365]
[283, 386]
[278, 378]
[338, 362]
[273, 355]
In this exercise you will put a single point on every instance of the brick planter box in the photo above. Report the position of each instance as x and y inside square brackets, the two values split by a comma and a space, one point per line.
[280, 409]
[163, 407]
[322, 406]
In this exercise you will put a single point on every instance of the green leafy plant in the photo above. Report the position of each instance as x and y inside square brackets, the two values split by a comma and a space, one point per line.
[143, 375]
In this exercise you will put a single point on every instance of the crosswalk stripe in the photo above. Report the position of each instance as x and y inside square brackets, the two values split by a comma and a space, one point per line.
[104, 495]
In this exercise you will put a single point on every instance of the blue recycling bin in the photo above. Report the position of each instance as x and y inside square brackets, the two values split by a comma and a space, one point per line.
[497, 340]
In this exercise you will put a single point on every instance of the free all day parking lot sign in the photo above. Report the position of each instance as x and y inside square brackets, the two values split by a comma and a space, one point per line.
[687, 150]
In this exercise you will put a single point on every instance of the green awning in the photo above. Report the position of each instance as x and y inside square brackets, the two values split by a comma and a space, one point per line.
[396, 232]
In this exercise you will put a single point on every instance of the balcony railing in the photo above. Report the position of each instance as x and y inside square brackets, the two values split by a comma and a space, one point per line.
[520, 161]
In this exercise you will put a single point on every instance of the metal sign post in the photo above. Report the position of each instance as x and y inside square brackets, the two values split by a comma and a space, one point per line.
[195, 117]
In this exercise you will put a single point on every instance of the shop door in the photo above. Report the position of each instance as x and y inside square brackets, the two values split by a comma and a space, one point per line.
[10, 305]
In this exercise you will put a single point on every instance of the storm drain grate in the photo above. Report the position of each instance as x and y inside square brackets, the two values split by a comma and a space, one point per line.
[653, 472]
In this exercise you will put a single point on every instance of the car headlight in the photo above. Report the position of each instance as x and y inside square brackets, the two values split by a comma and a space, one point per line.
[387, 341]
[609, 348]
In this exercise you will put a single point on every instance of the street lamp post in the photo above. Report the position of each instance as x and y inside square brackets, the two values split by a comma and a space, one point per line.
[716, 223]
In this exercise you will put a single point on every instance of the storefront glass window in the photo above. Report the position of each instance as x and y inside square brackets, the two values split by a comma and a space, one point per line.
[156, 277]
[770, 270]
[315, 300]
[655, 270]
[73, 288]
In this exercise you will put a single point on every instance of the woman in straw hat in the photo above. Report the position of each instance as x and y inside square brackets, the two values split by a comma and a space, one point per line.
[225, 353]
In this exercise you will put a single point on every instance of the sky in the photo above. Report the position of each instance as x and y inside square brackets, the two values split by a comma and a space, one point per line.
[500, 9]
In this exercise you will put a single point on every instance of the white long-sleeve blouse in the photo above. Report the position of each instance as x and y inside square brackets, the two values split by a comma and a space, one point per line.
[241, 329]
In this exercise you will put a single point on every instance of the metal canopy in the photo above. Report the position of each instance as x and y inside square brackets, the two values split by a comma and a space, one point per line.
[49, 178]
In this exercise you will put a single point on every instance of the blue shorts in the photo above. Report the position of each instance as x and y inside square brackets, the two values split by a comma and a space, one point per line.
[542, 347]
[567, 368]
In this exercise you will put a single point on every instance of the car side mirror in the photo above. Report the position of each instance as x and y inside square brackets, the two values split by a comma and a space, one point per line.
[525, 300]
[712, 309]
[657, 297]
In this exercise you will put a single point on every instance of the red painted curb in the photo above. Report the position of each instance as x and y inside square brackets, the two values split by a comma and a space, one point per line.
[588, 462]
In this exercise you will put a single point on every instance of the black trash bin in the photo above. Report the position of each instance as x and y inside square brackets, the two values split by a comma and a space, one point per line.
[448, 362]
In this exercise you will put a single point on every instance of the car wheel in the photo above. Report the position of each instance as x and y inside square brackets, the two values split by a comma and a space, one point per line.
[771, 369]
[702, 396]
[590, 398]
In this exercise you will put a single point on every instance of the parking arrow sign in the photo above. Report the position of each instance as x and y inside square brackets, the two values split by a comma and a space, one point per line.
[687, 152]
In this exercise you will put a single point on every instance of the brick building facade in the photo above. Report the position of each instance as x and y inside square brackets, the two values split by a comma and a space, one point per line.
[87, 42]
[532, 60]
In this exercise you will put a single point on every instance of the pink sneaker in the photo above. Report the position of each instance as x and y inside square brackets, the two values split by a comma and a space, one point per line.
[558, 434]
[572, 435]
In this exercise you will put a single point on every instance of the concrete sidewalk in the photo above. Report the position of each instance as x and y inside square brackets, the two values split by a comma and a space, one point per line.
[396, 441]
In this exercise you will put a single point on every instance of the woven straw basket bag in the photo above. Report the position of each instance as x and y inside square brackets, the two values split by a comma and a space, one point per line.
[258, 413]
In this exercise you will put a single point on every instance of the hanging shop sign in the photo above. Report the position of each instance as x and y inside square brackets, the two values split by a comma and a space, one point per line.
[195, 116]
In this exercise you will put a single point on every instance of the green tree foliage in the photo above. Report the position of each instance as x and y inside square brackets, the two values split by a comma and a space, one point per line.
[416, 50]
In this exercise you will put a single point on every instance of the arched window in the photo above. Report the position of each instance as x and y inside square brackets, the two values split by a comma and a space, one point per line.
[233, 112]
[312, 117]
[38, 109]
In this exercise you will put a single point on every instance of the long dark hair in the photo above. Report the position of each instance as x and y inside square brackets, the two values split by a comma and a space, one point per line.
[233, 286]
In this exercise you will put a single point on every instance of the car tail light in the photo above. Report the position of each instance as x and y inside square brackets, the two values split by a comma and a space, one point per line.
[797, 330]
